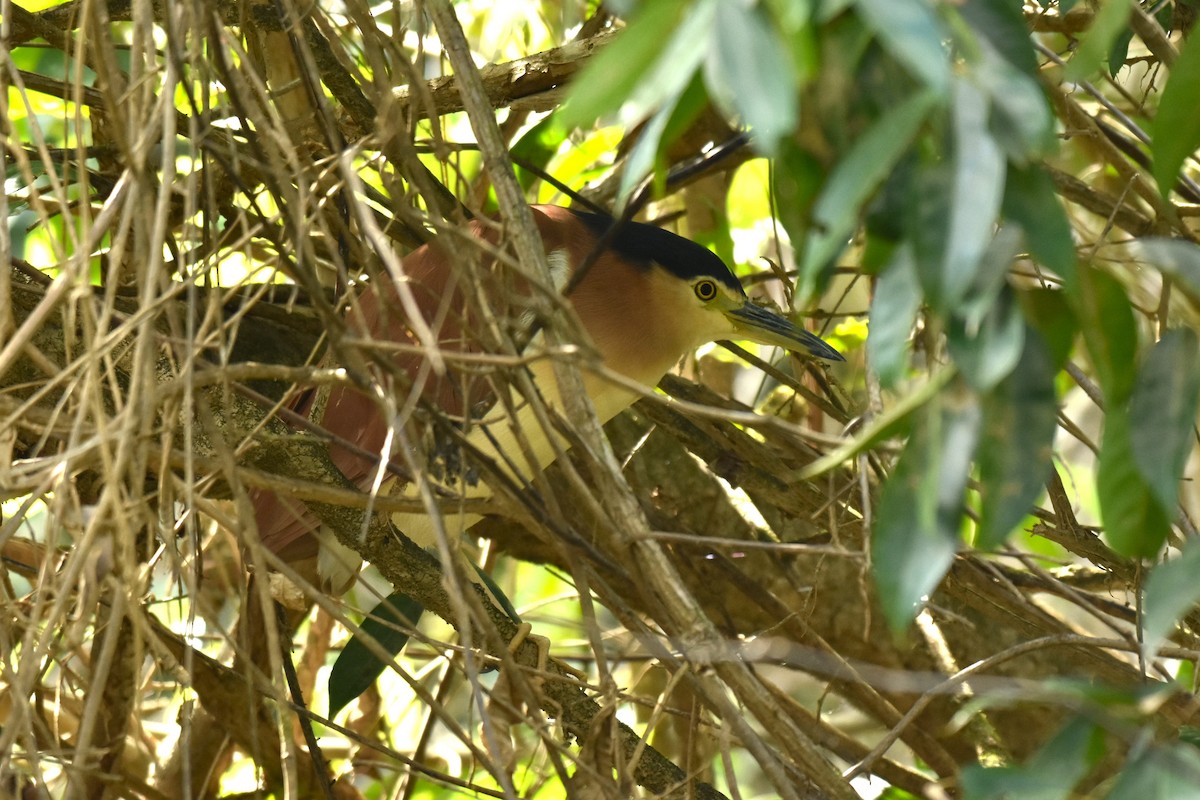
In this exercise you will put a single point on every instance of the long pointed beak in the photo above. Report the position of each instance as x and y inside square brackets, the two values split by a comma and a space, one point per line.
[766, 327]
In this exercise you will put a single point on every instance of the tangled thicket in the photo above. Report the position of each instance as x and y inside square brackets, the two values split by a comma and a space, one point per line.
[195, 193]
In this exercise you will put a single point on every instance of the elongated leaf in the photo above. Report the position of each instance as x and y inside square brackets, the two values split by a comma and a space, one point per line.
[955, 206]
[1134, 523]
[656, 135]
[1170, 591]
[921, 510]
[853, 180]
[896, 420]
[357, 667]
[1000, 23]
[893, 313]
[652, 60]
[1108, 328]
[912, 33]
[979, 170]
[1051, 316]
[535, 148]
[749, 71]
[1119, 51]
[1097, 43]
[1177, 258]
[984, 328]
[987, 351]
[1021, 120]
[1163, 413]
[1008, 71]
[1177, 125]
[1167, 772]
[1050, 774]
[1030, 201]
[1020, 417]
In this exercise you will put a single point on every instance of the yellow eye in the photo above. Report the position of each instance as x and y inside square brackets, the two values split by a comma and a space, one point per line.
[705, 289]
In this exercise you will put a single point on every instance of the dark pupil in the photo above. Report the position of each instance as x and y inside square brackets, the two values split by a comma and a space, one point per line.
[706, 290]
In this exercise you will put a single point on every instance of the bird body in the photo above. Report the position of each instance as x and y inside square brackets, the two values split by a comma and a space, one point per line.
[647, 300]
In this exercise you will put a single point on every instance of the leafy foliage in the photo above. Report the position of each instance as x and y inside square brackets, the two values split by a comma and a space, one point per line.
[972, 544]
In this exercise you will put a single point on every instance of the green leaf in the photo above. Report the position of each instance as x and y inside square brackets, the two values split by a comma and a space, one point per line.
[1163, 413]
[987, 351]
[1049, 313]
[1020, 417]
[894, 421]
[357, 667]
[1134, 523]
[1050, 774]
[664, 127]
[1008, 71]
[979, 170]
[1096, 44]
[886, 215]
[750, 72]
[496, 594]
[535, 148]
[1169, 772]
[1176, 258]
[1176, 127]
[1001, 23]
[652, 60]
[956, 203]
[983, 326]
[893, 313]
[1021, 120]
[1119, 51]
[911, 32]
[1188, 734]
[1171, 590]
[1108, 328]
[853, 180]
[921, 509]
[1031, 202]
[797, 177]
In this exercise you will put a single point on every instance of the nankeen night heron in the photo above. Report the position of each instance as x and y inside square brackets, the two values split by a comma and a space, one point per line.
[648, 299]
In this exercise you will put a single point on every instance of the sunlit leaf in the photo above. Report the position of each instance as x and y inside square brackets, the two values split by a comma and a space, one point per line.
[656, 135]
[1170, 591]
[1176, 126]
[921, 509]
[357, 667]
[1096, 44]
[535, 148]
[1163, 413]
[1020, 417]
[652, 60]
